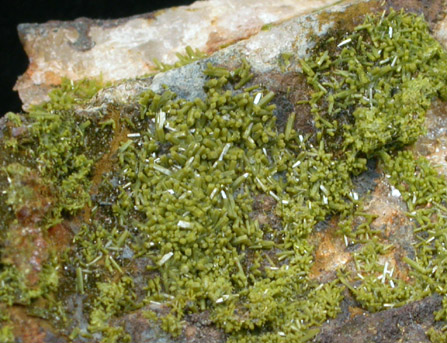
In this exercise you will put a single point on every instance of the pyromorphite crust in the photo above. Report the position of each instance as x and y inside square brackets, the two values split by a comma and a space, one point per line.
[188, 174]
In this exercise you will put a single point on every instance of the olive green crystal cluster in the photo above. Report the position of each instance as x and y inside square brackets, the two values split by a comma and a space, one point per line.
[220, 203]
[190, 180]
[190, 55]
[370, 100]
[371, 97]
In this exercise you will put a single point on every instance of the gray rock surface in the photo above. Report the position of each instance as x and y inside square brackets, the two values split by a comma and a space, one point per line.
[125, 48]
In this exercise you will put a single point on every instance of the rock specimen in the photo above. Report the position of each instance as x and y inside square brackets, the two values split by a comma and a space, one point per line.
[288, 188]
[126, 48]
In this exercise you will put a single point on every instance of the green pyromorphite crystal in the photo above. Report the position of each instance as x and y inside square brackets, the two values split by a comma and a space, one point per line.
[189, 176]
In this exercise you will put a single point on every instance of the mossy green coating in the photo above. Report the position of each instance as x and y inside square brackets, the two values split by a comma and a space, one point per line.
[49, 168]
[54, 142]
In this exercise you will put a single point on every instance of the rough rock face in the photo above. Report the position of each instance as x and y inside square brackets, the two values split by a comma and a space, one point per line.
[405, 324]
[123, 49]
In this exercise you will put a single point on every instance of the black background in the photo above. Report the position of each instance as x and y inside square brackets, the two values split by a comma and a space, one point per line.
[13, 59]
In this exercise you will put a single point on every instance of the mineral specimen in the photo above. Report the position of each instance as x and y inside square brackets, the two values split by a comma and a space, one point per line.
[256, 195]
